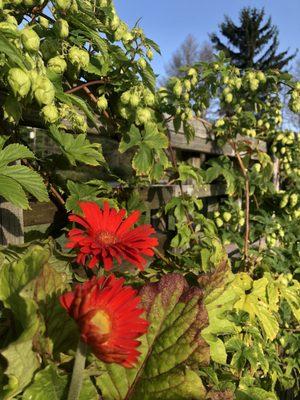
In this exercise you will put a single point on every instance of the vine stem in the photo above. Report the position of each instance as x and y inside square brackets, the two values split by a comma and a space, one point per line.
[247, 201]
[77, 375]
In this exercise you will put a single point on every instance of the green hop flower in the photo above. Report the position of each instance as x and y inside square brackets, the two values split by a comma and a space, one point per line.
[219, 222]
[149, 97]
[102, 3]
[62, 28]
[257, 167]
[261, 76]
[143, 115]
[125, 97]
[141, 62]
[149, 54]
[192, 72]
[63, 4]
[50, 113]
[114, 23]
[220, 123]
[7, 27]
[228, 98]
[44, 91]
[19, 81]
[79, 57]
[125, 112]
[102, 103]
[12, 20]
[134, 100]
[293, 199]
[44, 22]
[57, 64]
[30, 40]
[254, 83]
[227, 216]
[177, 89]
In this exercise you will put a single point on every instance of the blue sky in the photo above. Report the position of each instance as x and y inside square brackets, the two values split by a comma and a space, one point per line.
[168, 22]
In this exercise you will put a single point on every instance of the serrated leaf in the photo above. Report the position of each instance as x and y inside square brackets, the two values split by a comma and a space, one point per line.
[153, 138]
[148, 77]
[143, 160]
[52, 384]
[176, 315]
[130, 139]
[14, 152]
[78, 147]
[30, 180]
[12, 191]
[12, 52]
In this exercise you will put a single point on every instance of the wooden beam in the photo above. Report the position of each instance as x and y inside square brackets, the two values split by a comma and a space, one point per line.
[11, 224]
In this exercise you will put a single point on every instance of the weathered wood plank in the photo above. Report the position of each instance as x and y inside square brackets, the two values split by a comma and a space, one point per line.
[11, 223]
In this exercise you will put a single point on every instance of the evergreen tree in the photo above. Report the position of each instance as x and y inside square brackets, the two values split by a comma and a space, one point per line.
[253, 43]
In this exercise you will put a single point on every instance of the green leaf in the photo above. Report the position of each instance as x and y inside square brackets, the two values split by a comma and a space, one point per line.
[177, 316]
[14, 152]
[130, 139]
[142, 160]
[254, 393]
[52, 384]
[13, 192]
[153, 138]
[16, 293]
[30, 180]
[148, 77]
[85, 192]
[78, 147]
[12, 52]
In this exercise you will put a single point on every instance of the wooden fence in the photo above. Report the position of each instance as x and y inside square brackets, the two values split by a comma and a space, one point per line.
[13, 220]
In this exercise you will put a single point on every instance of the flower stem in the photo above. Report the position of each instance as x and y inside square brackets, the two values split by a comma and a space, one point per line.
[77, 375]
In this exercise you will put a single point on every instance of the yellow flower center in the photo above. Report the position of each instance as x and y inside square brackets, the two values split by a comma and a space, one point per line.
[103, 322]
[107, 238]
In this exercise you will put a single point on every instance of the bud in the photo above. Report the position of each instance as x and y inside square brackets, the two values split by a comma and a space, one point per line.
[293, 199]
[143, 115]
[44, 22]
[219, 222]
[50, 113]
[257, 167]
[114, 22]
[192, 72]
[227, 216]
[228, 98]
[102, 3]
[141, 62]
[7, 27]
[57, 64]
[11, 20]
[261, 76]
[284, 201]
[73, 7]
[220, 123]
[125, 112]
[62, 28]
[149, 54]
[102, 103]
[254, 83]
[134, 100]
[19, 81]
[30, 39]
[79, 57]
[149, 97]
[44, 91]
[177, 89]
[63, 5]
[187, 85]
[125, 97]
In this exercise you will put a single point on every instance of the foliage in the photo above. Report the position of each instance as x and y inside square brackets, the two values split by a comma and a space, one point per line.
[86, 76]
[252, 44]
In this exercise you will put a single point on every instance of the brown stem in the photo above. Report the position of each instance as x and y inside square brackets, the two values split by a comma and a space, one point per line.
[247, 200]
[94, 99]
[175, 166]
[37, 11]
[85, 85]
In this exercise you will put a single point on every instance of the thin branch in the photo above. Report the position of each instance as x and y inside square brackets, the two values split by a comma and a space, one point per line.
[85, 85]
[94, 99]
[38, 11]
[247, 200]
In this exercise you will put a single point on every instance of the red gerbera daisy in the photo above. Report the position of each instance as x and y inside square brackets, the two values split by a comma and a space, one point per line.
[107, 235]
[108, 317]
